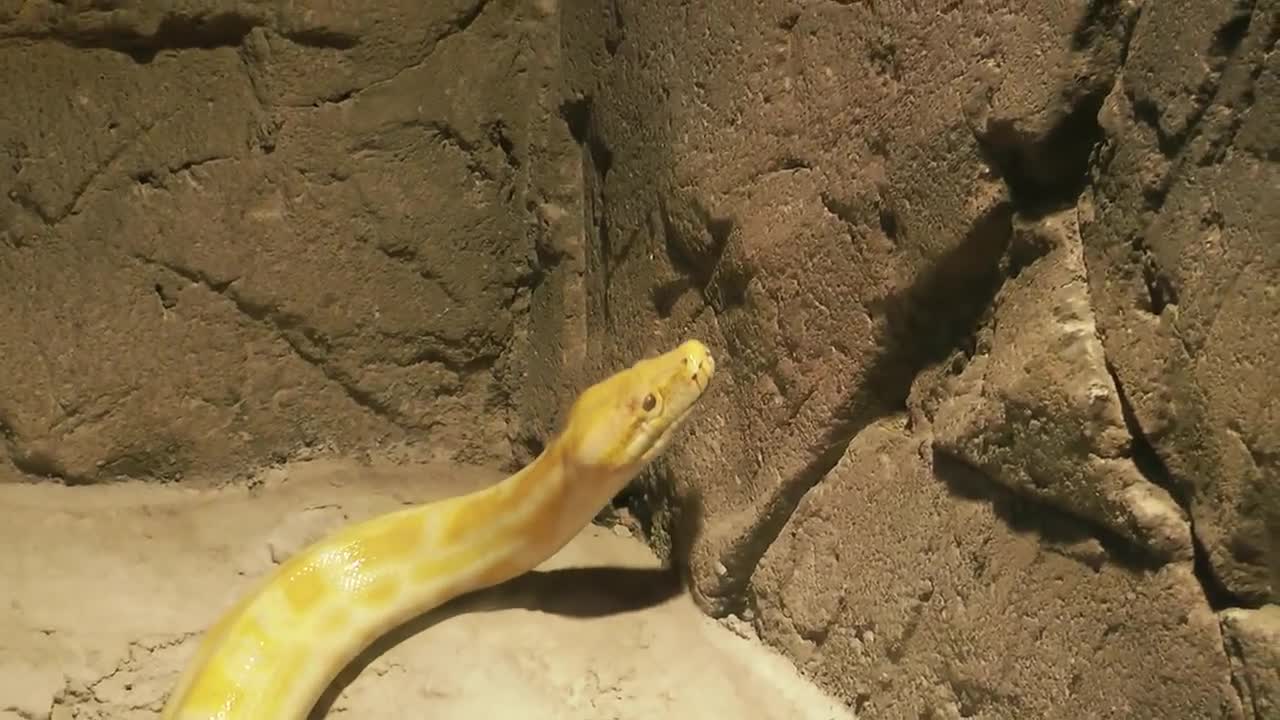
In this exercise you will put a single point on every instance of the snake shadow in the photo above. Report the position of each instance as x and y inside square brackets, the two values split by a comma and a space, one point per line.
[579, 592]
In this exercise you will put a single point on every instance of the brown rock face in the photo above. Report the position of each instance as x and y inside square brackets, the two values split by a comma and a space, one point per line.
[1037, 231]
[1179, 227]
[1037, 411]
[918, 589]
[234, 234]
[1253, 645]
[732, 202]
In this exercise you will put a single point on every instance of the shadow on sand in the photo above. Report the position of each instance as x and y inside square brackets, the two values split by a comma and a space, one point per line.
[581, 592]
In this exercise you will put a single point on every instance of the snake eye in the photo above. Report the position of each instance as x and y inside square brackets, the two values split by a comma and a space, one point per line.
[650, 402]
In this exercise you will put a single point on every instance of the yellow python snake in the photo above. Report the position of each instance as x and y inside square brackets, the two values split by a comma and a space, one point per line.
[272, 655]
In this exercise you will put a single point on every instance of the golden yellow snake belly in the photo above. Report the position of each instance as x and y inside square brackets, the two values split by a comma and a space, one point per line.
[273, 653]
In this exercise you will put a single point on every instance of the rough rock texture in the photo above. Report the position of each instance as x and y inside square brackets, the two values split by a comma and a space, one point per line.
[584, 637]
[960, 600]
[232, 232]
[1180, 226]
[1036, 409]
[730, 201]
[1253, 645]
[976, 206]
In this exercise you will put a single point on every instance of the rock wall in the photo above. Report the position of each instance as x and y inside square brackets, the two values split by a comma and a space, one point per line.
[994, 291]
[992, 287]
[237, 232]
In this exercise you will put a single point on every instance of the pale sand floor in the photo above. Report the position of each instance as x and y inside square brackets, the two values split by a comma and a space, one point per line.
[104, 589]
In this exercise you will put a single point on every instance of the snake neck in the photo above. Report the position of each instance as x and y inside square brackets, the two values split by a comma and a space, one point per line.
[546, 504]
[339, 595]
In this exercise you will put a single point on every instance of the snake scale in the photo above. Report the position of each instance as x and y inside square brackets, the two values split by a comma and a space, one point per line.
[276, 650]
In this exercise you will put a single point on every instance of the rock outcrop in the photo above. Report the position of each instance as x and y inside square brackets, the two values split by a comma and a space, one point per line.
[995, 299]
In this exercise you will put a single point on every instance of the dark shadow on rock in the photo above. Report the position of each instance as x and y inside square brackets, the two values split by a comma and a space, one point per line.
[938, 313]
[683, 526]
[579, 592]
[686, 530]
[1055, 528]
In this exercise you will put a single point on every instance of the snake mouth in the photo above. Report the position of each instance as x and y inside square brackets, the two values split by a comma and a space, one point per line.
[701, 380]
[703, 371]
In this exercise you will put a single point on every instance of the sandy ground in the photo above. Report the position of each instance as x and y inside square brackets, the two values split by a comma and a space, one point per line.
[104, 590]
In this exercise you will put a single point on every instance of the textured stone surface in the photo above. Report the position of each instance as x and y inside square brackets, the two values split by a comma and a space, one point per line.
[825, 247]
[598, 631]
[1253, 645]
[1179, 228]
[1036, 409]
[846, 198]
[919, 589]
[261, 228]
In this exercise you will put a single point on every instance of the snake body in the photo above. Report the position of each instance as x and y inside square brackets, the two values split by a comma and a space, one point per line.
[274, 652]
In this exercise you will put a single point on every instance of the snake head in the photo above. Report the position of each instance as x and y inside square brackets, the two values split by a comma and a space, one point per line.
[624, 421]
